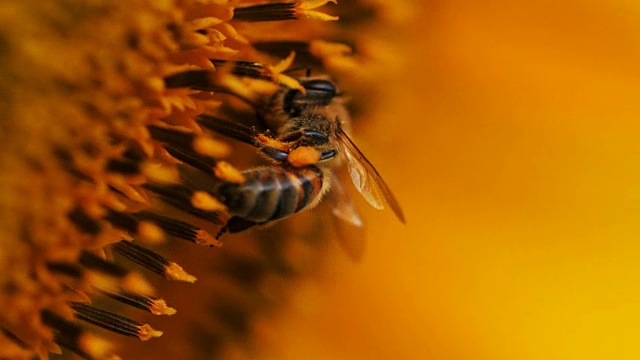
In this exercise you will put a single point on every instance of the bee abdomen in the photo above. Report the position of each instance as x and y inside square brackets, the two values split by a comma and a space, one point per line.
[272, 193]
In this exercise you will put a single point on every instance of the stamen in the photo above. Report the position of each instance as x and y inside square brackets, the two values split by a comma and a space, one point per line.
[182, 198]
[116, 323]
[128, 280]
[281, 49]
[197, 151]
[68, 269]
[123, 166]
[16, 340]
[227, 172]
[179, 229]
[151, 304]
[94, 262]
[266, 12]
[152, 261]
[123, 221]
[234, 130]
[84, 221]
[180, 139]
[202, 163]
[72, 337]
[147, 231]
[205, 80]
[195, 79]
[244, 68]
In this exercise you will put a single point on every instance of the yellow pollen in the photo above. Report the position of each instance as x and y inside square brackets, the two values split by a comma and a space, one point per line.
[304, 155]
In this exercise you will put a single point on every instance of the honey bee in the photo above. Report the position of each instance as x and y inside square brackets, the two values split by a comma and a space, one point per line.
[303, 134]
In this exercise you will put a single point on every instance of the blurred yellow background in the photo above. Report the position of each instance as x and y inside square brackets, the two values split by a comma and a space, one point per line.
[511, 139]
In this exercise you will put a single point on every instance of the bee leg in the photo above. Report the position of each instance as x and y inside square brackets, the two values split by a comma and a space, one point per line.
[235, 225]
[271, 147]
[275, 154]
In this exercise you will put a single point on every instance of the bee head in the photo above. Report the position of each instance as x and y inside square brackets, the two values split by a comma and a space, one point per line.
[312, 129]
[307, 118]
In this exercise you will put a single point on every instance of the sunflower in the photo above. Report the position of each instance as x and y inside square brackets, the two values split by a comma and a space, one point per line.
[98, 98]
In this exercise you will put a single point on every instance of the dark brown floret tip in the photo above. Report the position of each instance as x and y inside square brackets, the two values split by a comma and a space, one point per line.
[266, 12]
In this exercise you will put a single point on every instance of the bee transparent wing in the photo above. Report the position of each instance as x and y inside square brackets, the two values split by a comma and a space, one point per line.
[341, 205]
[346, 221]
[367, 179]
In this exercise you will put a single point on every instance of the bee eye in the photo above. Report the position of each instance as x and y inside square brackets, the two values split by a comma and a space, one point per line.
[319, 92]
[321, 89]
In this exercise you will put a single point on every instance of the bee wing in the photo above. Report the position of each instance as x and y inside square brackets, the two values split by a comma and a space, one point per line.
[341, 205]
[346, 221]
[367, 179]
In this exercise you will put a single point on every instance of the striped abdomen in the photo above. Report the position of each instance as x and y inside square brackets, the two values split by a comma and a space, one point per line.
[272, 193]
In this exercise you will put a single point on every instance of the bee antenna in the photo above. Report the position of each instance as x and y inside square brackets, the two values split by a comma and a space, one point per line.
[306, 68]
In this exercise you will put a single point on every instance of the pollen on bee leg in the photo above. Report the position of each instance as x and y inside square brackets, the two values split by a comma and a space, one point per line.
[204, 201]
[225, 171]
[269, 141]
[304, 155]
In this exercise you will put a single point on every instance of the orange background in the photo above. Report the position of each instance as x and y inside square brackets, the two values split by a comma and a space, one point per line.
[511, 138]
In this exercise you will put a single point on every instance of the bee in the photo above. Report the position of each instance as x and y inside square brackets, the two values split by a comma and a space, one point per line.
[303, 132]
